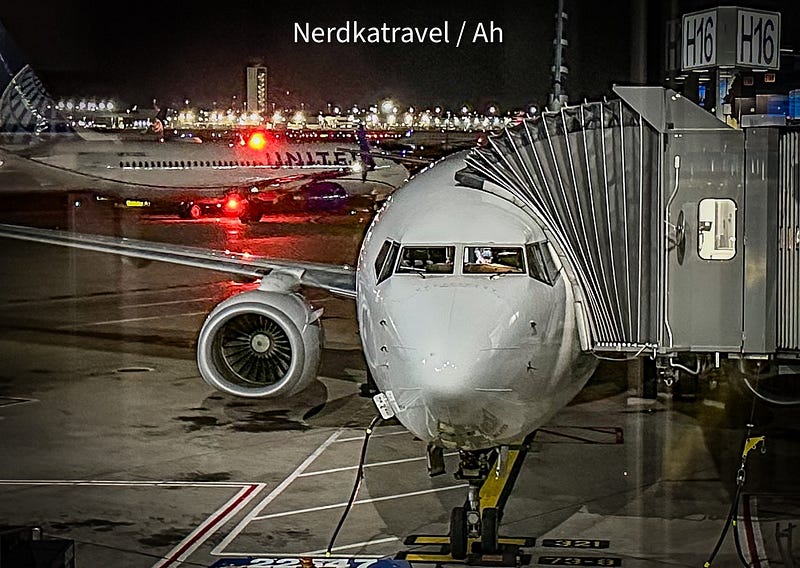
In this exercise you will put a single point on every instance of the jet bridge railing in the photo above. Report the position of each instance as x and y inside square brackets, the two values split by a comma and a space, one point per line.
[590, 175]
[788, 293]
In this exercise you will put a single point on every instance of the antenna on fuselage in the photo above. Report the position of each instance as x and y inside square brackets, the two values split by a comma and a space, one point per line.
[558, 96]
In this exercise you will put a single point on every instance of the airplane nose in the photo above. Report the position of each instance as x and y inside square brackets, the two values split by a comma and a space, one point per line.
[456, 363]
[453, 335]
[448, 341]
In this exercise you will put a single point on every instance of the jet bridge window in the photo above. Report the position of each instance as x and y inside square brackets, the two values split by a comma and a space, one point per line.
[426, 260]
[384, 263]
[487, 259]
[540, 263]
[716, 228]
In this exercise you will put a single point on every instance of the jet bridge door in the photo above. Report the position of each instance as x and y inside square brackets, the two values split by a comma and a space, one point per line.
[704, 188]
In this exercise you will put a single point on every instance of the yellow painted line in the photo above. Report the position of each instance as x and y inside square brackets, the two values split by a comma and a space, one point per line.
[440, 539]
[431, 540]
[431, 558]
[492, 488]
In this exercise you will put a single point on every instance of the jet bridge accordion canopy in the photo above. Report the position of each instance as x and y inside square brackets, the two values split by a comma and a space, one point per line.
[589, 174]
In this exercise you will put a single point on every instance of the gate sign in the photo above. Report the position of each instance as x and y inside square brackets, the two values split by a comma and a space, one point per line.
[699, 46]
[732, 37]
[758, 39]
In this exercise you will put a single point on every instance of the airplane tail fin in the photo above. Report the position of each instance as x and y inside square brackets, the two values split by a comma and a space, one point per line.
[27, 111]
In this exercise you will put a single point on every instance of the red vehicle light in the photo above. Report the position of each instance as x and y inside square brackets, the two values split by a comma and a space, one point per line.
[232, 204]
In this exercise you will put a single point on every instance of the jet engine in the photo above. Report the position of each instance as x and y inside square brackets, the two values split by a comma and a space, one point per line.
[260, 343]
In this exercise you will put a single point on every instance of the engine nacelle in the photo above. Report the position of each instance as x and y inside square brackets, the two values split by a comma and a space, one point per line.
[260, 344]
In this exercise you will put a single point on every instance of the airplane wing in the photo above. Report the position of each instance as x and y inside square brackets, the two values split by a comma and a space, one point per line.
[338, 280]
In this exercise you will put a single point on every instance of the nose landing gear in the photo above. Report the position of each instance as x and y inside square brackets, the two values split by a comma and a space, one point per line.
[474, 526]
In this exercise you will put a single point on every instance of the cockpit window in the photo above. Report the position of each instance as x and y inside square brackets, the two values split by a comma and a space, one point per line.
[540, 263]
[426, 260]
[384, 263]
[493, 260]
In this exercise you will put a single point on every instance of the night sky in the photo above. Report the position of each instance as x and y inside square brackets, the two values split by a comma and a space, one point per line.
[135, 51]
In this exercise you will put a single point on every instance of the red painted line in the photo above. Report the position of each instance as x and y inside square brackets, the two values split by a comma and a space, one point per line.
[748, 531]
[204, 529]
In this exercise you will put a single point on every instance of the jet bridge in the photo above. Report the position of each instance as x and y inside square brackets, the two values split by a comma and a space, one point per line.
[680, 235]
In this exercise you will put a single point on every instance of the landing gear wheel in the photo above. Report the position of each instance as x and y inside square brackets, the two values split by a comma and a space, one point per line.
[490, 523]
[458, 533]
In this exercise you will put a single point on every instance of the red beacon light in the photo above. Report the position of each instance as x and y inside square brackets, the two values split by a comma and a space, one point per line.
[232, 204]
[257, 141]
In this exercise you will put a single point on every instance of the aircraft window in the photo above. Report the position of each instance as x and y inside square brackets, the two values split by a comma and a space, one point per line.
[183, 165]
[158, 164]
[208, 164]
[428, 260]
[140, 164]
[487, 259]
[540, 263]
[716, 227]
[384, 263]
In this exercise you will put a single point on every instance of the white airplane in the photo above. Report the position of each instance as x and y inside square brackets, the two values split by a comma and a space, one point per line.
[466, 316]
[468, 328]
[262, 169]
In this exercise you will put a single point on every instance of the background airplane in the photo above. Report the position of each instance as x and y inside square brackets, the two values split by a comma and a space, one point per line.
[261, 170]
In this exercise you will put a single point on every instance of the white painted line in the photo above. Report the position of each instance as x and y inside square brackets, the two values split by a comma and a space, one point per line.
[348, 546]
[187, 546]
[130, 320]
[8, 401]
[359, 502]
[100, 296]
[361, 438]
[220, 548]
[123, 483]
[150, 305]
[375, 464]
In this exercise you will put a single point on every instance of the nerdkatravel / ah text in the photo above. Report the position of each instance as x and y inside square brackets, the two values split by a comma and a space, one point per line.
[353, 32]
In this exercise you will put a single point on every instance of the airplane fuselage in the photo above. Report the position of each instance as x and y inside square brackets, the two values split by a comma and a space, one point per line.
[473, 353]
[149, 169]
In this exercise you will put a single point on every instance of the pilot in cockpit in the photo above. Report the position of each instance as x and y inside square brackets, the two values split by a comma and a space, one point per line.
[483, 256]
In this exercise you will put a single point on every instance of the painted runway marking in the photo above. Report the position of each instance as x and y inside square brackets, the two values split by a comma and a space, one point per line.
[361, 438]
[6, 401]
[131, 320]
[11, 304]
[353, 545]
[247, 492]
[222, 515]
[125, 483]
[256, 513]
[220, 548]
[359, 502]
[375, 464]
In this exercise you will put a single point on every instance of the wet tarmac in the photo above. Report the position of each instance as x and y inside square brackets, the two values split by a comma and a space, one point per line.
[111, 440]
